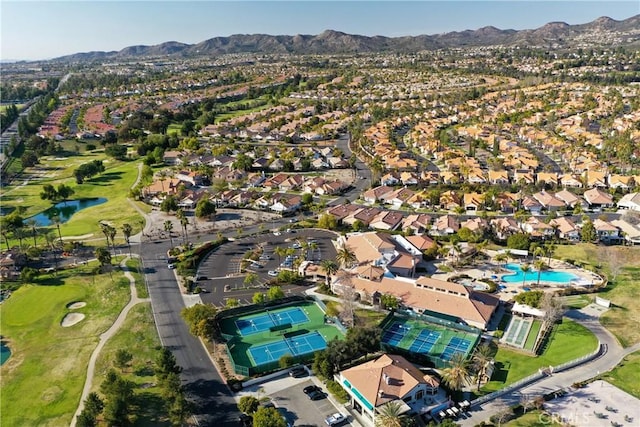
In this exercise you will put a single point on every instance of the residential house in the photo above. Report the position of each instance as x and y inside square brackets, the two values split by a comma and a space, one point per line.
[445, 225]
[504, 227]
[549, 201]
[598, 199]
[172, 158]
[473, 201]
[374, 195]
[622, 182]
[595, 179]
[538, 229]
[607, 232]
[530, 204]
[569, 180]
[570, 199]
[548, 178]
[286, 204]
[387, 220]
[388, 379]
[389, 179]
[565, 228]
[498, 177]
[364, 215]
[416, 223]
[340, 212]
[630, 201]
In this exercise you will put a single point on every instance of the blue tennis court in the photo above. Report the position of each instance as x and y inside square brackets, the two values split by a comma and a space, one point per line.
[425, 341]
[295, 346]
[266, 321]
[456, 345]
[394, 334]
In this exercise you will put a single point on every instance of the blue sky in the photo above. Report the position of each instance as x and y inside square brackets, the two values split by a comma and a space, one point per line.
[48, 29]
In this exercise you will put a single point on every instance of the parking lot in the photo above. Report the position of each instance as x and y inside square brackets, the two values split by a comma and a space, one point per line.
[220, 276]
[287, 394]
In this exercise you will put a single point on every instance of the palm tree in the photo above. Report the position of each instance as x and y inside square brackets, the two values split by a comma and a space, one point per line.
[126, 230]
[330, 268]
[33, 225]
[57, 221]
[481, 359]
[390, 415]
[112, 235]
[457, 374]
[549, 249]
[525, 268]
[168, 227]
[280, 252]
[457, 248]
[184, 221]
[538, 252]
[539, 265]
[501, 258]
[345, 256]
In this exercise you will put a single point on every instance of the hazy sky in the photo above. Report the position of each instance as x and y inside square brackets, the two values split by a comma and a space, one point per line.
[48, 29]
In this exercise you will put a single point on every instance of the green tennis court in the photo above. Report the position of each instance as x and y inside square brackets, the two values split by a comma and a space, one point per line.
[435, 339]
[256, 341]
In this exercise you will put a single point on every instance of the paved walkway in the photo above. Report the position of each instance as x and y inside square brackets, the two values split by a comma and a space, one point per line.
[106, 335]
[589, 317]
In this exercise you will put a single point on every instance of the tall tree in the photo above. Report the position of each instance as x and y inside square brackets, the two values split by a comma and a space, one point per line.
[168, 227]
[457, 374]
[391, 415]
[525, 269]
[330, 268]
[345, 256]
[126, 231]
[32, 224]
[539, 266]
[481, 360]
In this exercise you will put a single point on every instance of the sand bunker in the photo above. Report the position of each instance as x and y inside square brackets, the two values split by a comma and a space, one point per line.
[71, 319]
[77, 304]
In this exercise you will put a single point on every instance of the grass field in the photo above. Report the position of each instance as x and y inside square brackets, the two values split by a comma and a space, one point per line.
[139, 336]
[533, 419]
[114, 184]
[623, 290]
[533, 334]
[626, 375]
[43, 379]
[141, 288]
[568, 342]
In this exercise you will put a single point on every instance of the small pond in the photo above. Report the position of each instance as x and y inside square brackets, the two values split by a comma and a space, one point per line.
[5, 352]
[65, 210]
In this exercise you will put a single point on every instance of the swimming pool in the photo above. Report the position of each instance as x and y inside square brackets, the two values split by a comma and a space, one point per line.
[532, 275]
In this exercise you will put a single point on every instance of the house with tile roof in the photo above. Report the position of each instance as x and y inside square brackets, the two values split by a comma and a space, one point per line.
[598, 199]
[630, 201]
[388, 379]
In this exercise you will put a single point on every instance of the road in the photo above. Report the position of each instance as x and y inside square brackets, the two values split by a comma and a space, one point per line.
[214, 403]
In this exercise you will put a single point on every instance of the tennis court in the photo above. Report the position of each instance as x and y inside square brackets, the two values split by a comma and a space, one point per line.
[425, 341]
[257, 337]
[427, 338]
[266, 321]
[395, 333]
[456, 345]
[296, 346]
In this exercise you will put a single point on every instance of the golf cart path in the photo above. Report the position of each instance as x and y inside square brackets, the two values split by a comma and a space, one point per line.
[108, 334]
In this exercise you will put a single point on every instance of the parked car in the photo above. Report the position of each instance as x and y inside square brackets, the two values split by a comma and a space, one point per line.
[316, 395]
[272, 273]
[311, 389]
[298, 372]
[171, 266]
[335, 419]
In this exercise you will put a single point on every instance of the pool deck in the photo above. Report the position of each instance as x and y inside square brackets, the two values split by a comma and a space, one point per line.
[485, 271]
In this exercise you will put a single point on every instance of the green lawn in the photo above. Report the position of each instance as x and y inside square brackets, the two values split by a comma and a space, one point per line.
[623, 288]
[626, 375]
[533, 334]
[577, 301]
[139, 336]
[114, 184]
[175, 128]
[141, 288]
[533, 419]
[43, 379]
[568, 342]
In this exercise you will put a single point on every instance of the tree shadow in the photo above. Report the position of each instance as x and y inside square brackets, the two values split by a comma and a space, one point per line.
[105, 178]
[500, 373]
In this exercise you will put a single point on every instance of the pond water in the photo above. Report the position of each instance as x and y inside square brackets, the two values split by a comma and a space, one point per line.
[5, 352]
[65, 210]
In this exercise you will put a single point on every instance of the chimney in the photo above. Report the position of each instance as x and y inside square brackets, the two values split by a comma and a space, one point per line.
[380, 393]
[386, 378]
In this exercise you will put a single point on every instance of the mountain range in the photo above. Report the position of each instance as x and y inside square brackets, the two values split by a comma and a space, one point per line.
[600, 32]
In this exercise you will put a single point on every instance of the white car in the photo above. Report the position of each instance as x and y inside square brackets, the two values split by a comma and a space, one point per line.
[171, 266]
[277, 233]
[272, 273]
[335, 419]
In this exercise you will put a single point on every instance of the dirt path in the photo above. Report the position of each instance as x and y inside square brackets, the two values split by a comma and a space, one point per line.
[105, 337]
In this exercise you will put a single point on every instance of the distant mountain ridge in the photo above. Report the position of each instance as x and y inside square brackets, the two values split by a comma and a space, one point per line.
[553, 34]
